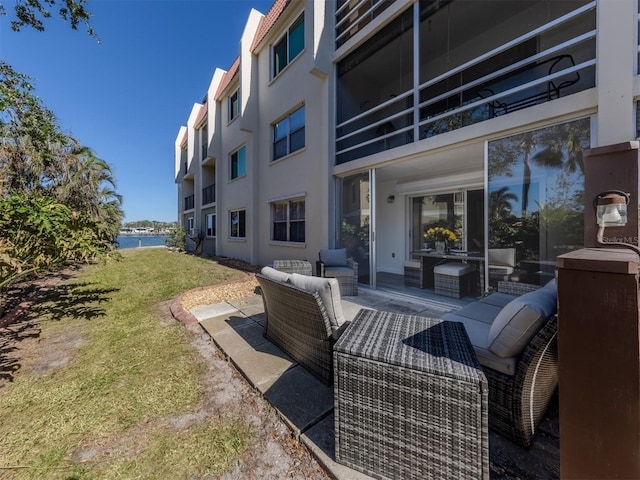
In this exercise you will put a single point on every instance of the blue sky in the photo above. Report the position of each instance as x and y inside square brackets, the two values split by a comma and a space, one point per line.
[127, 97]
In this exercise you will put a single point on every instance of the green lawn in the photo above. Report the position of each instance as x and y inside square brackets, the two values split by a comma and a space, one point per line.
[103, 414]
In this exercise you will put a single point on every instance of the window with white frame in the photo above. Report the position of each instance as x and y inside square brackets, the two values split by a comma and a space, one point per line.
[211, 225]
[190, 227]
[288, 134]
[237, 166]
[288, 220]
[237, 224]
[234, 104]
[285, 50]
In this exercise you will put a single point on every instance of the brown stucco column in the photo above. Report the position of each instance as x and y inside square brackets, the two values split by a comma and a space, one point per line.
[599, 364]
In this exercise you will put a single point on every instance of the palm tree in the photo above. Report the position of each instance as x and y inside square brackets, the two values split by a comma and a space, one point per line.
[500, 202]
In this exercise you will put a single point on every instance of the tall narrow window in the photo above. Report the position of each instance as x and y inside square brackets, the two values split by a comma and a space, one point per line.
[234, 104]
[289, 46]
[204, 142]
[288, 134]
[237, 163]
[288, 221]
[237, 224]
[211, 225]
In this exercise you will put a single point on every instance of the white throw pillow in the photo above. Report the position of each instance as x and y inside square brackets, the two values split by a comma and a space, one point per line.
[329, 291]
[520, 320]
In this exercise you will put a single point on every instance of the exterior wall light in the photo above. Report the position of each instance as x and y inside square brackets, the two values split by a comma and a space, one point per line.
[611, 211]
[611, 208]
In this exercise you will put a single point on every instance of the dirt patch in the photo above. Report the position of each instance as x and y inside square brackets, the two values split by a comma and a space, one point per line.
[273, 454]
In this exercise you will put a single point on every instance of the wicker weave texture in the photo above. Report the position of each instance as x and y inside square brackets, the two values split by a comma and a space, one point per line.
[452, 286]
[516, 288]
[297, 322]
[411, 399]
[303, 267]
[517, 403]
[348, 285]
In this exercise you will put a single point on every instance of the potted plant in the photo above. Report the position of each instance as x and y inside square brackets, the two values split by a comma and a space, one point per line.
[440, 236]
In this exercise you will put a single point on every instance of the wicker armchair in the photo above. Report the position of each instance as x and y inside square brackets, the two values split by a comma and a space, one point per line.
[335, 264]
[518, 403]
[298, 322]
[518, 399]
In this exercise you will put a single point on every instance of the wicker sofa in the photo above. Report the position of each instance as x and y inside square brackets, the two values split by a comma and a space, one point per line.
[303, 316]
[514, 334]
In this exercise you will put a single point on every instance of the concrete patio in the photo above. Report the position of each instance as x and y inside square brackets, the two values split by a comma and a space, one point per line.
[306, 405]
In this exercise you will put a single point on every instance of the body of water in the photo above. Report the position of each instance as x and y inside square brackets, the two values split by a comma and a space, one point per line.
[134, 241]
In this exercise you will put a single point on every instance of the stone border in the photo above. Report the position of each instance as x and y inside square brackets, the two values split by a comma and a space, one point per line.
[183, 315]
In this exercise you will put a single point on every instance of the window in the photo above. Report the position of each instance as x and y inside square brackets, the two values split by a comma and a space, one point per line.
[288, 221]
[289, 46]
[288, 134]
[237, 224]
[204, 142]
[234, 104]
[536, 182]
[190, 227]
[237, 160]
[211, 225]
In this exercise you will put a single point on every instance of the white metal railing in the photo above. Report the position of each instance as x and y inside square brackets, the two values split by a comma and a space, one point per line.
[367, 15]
[494, 75]
[506, 93]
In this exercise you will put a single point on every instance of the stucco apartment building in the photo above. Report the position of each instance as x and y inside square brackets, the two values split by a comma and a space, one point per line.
[365, 124]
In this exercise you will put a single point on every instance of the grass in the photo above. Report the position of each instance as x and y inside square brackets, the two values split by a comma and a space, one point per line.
[103, 414]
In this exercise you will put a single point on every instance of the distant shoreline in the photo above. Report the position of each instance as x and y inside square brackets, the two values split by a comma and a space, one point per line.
[141, 240]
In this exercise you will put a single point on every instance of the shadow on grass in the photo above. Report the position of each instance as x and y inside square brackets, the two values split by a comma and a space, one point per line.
[74, 301]
[38, 301]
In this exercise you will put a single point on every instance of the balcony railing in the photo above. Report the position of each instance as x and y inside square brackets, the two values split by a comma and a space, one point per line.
[496, 83]
[353, 15]
[189, 202]
[209, 194]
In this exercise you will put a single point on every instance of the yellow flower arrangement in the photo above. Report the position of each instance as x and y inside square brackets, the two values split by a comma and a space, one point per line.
[439, 234]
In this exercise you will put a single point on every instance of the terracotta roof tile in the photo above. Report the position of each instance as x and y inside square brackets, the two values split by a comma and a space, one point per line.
[227, 77]
[268, 21]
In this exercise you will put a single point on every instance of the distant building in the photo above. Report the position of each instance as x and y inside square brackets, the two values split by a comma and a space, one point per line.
[363, 124]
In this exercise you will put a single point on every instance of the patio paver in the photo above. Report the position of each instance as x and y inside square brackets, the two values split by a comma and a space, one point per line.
[306, 404]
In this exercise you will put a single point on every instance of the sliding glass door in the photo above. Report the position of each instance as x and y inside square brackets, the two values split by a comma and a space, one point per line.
[536, 200]
[461, 213]
[355, 227]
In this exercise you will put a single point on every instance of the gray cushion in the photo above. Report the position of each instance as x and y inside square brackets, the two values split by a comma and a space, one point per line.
[520, 320]
[334, 257]
[338, 272]
[478, 332]
[482, 312]
[329, 291]
[498, 299]
[273, 274]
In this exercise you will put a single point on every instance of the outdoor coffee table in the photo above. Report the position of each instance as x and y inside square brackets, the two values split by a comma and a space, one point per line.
[410, 399]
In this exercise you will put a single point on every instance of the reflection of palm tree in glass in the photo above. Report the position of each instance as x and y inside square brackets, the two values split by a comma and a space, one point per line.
[561, 146]
[500, 202]
[564, 141]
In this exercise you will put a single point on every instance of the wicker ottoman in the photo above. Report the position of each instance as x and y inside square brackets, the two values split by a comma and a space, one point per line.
[453, 279]
[302, 267]
[410, 399]
[413, 273]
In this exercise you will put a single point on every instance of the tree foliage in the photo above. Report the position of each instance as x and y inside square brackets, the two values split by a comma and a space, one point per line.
[33, 13]
[58, 200]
